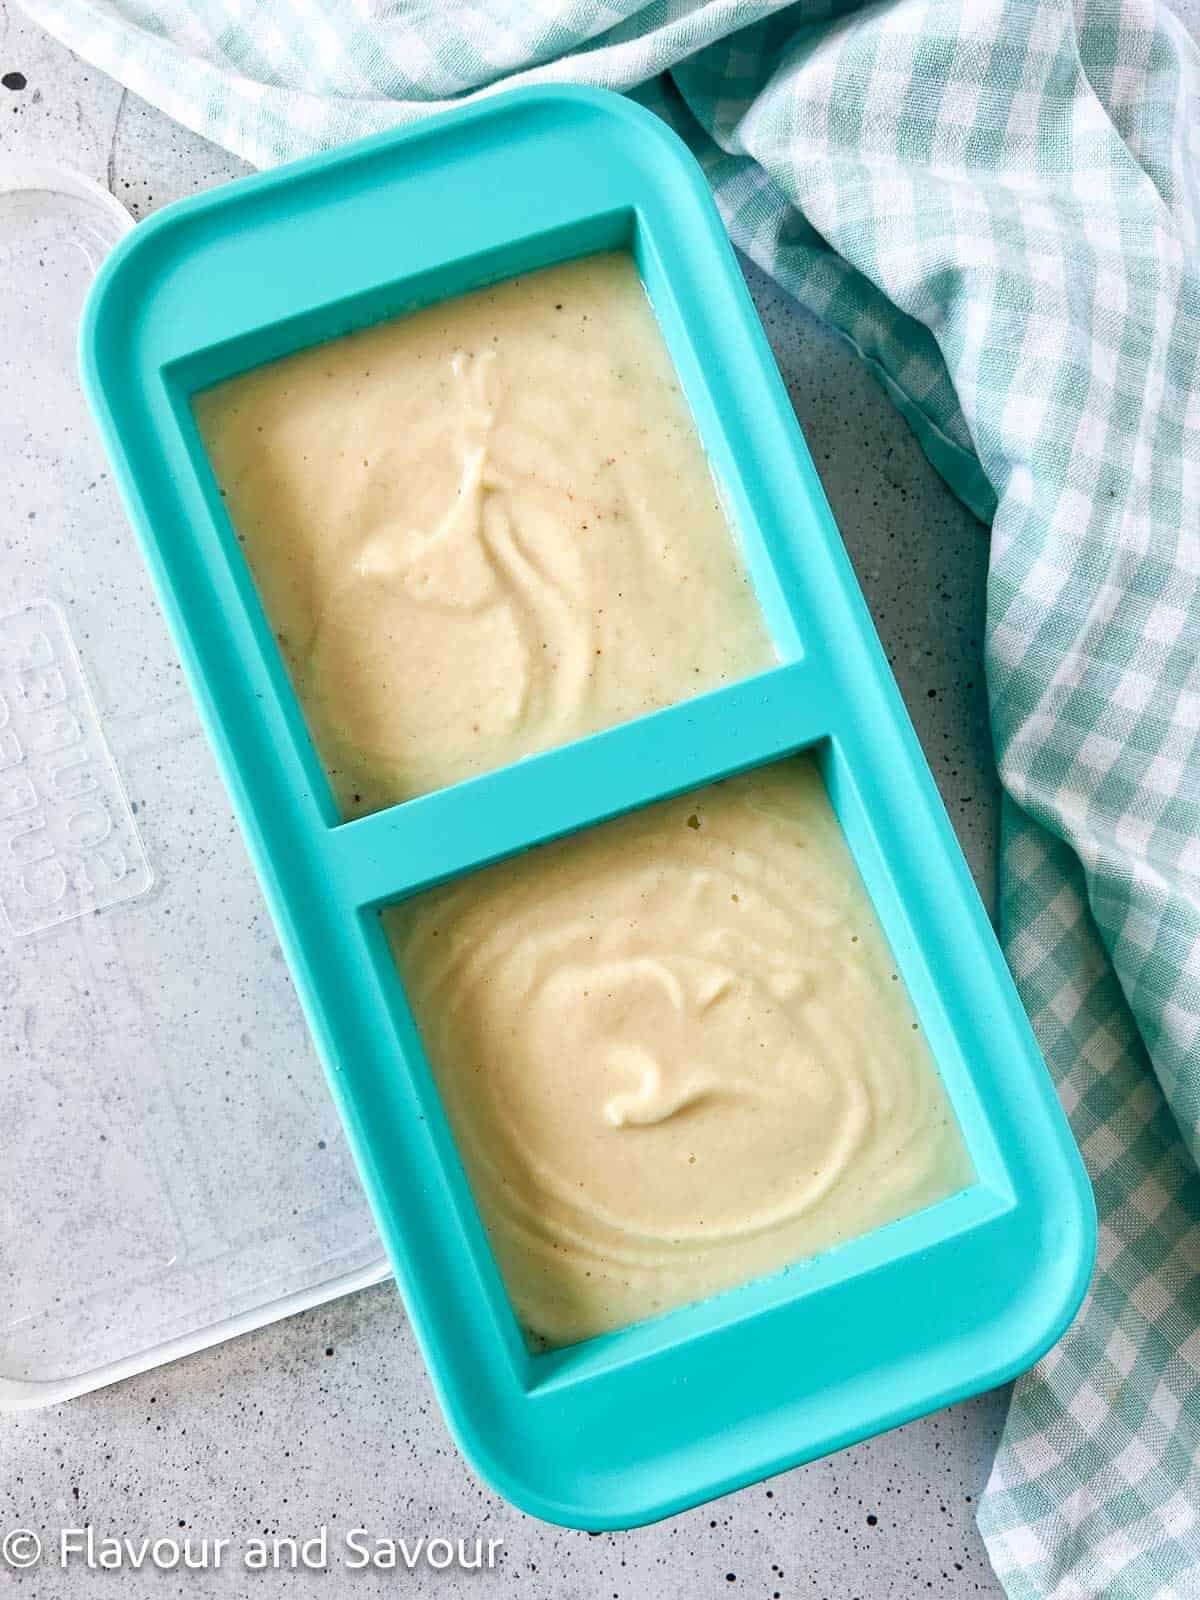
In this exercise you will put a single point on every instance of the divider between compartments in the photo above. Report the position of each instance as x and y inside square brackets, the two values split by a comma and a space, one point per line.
[421, 842]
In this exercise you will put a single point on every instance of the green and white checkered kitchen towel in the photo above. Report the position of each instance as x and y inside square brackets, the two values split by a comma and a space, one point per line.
[996, 202]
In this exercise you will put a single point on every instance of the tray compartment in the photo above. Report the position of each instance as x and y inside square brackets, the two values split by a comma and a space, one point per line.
[418, 525]
[687, 853]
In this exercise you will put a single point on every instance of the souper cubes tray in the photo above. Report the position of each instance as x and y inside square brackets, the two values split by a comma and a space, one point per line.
[645, 1421]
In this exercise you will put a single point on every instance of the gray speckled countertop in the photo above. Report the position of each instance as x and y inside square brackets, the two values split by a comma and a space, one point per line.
[329, 1418]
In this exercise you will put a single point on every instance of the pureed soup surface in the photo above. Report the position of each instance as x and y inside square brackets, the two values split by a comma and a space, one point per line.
[676, 1053]
[673, 1049]
[483, 530]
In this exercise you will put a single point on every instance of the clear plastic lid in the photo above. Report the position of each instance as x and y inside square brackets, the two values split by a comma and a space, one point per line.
[174, 1169]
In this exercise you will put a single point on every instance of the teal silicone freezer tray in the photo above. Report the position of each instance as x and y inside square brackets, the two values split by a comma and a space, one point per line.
[646, 1421]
